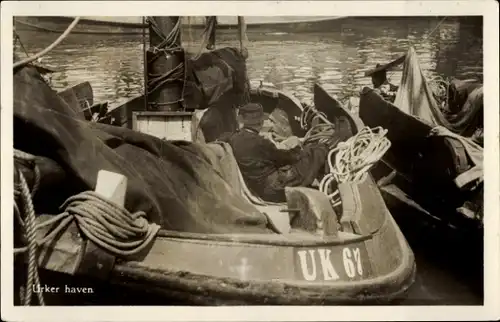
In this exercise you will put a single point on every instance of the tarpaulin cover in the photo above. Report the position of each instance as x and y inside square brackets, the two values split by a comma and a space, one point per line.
[217, 81]
[178, 184]
[415, 97]
[213, 74]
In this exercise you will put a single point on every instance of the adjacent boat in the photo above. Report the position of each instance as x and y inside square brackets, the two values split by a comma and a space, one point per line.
[135, 26]
[433, 167]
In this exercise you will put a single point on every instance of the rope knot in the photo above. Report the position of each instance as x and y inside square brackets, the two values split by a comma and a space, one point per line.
[109, 225]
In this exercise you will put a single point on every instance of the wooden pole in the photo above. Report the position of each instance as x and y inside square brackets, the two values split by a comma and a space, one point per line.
[168, 96]
[243, 35]
[145, 64]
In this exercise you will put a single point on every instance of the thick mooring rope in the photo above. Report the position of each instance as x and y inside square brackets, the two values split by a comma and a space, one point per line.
[110, 226]
[29, 227]
[50, 47]
[107, 224]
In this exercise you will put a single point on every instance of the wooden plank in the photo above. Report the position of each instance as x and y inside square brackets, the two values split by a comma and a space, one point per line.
[64, 253]
[186, 128]
[164, 125]
[156, 127]
[175, 129]
[134, 121]
[169, 128]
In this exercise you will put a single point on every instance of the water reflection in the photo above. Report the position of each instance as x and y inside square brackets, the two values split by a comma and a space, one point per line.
[337, 59]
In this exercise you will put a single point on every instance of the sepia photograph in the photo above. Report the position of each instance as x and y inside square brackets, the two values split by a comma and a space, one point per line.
[248, 160]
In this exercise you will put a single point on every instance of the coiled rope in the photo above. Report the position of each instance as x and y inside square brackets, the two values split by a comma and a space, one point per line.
[322, 133]
[107, 224]
[50, 47]
[353, 158]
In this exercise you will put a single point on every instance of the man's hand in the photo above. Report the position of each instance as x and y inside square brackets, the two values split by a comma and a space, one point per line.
[290, 143]
[276, 137]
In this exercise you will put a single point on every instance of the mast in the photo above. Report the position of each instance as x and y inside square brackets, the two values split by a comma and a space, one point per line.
[164, 64]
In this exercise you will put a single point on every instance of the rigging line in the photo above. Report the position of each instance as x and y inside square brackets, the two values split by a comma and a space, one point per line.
[430, 34]
[50, 47]
[21, 43]
[435, 28]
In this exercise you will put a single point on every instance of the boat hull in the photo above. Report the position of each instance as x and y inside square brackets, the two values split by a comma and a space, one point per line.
[49, 24]
[368, 263]
[52, 24]
[160, 278]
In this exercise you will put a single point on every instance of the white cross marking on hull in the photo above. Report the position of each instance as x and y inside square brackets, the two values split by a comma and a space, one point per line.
[242, 269]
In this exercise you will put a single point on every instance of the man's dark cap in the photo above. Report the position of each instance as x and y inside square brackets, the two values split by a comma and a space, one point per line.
[252, 114]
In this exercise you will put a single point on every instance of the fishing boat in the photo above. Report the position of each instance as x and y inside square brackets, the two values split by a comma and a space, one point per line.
[157, 213]
[80, 98]
[434, 166]
[351, 264]
[135, 25]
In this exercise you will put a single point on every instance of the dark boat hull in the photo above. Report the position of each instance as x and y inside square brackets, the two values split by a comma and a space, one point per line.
[49, 24]
[425, 167]
[99, 27]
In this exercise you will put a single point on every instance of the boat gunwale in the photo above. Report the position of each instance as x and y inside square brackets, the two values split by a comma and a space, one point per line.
[399, 279]
[242, 238]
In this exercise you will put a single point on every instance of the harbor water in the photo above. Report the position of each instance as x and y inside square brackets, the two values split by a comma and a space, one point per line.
[294, 62]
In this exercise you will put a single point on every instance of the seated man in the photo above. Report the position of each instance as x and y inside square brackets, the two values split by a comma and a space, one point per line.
[380, 83]
[266, 169]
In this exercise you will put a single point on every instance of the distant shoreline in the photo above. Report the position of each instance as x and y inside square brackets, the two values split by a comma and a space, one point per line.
[127, 26]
